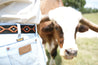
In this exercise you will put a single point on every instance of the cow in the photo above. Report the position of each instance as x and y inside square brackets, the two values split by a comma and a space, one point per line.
[59, 29]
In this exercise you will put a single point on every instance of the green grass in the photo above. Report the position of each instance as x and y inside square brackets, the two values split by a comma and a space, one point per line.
[92, 17]
[88, 48]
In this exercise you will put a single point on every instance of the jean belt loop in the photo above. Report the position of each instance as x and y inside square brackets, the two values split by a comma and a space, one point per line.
[19, 33]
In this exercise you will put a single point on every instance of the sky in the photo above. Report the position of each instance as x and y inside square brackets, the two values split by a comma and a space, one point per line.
[92, 3]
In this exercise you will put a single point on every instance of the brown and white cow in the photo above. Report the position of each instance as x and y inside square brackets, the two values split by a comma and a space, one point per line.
[59, 28]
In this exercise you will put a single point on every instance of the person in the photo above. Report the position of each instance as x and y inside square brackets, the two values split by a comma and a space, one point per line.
[20, 43]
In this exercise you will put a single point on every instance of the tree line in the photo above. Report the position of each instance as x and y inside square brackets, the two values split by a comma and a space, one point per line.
[79, 5]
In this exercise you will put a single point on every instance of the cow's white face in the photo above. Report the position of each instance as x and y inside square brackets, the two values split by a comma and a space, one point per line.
[69, 49]
[68, 19]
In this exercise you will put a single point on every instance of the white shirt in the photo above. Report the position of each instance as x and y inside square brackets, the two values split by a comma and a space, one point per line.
[20, 11]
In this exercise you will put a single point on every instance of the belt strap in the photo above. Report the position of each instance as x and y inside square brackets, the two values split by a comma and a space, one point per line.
[12, 29]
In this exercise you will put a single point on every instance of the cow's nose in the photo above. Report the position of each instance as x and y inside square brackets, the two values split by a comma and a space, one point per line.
[71, 52]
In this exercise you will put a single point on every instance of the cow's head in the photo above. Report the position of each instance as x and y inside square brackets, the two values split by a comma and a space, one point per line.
[49, 27]
[68, 22]
[69, 18]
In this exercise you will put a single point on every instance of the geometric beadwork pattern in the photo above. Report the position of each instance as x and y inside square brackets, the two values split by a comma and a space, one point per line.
[9, 29]
[1, 29]
[13, 29]
[28, 29]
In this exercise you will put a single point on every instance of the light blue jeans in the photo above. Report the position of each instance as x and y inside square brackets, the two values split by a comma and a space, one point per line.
[11, 54]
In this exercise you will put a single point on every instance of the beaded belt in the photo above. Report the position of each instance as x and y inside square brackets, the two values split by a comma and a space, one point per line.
[10, 29]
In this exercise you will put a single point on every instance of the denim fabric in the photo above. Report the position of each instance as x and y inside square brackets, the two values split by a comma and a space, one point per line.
[9, 50]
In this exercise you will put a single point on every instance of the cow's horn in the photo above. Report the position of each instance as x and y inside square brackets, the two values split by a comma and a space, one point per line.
[91, 25]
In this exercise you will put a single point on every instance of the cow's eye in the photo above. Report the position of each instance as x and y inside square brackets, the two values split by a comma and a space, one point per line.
[56, 28]
[61, 41]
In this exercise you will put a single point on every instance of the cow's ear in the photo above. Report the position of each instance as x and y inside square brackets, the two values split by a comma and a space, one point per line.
[82, 28]
[48, 28]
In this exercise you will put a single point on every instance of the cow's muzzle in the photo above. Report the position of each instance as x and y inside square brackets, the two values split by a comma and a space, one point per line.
[70, 53]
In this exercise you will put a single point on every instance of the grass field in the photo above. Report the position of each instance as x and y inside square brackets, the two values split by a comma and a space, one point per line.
[92, 17]
[88, 49]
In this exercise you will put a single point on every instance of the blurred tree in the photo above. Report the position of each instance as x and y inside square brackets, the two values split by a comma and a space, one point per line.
[89, 10]
[77, 4]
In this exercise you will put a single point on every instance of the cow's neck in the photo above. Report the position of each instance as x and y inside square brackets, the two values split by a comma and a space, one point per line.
[47, 5]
